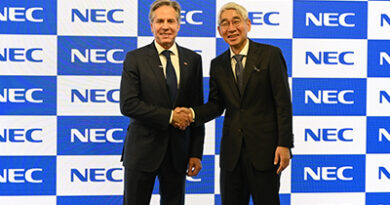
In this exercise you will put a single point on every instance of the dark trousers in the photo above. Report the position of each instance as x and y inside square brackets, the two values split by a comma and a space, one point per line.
[139, 185]
[245, 180]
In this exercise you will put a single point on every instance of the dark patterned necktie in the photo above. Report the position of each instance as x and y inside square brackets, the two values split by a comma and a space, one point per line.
[171, 76]
[239, 72]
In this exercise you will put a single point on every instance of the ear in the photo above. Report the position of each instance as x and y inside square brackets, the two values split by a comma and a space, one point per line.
[248, 24]
[219, 31]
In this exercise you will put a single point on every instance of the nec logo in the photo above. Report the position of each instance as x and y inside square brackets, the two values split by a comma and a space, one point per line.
[21, 135]
[97, 15]
[385, 18]
[20, 14]
[96, 55]
[95, 95]
[96, 175]
[17, 176]
[20, 95]
[383, 172]
[328, 173]
[95, 135]
[328, 57]
[328, 97]
[384, 135]
[328, 135]
[384, 97]
[329, 19]
[21, 55]
[188, 17]
[260, 18]
[384, 58]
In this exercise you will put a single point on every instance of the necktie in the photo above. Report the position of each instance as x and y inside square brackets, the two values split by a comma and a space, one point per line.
[171, 76]
[239, 72]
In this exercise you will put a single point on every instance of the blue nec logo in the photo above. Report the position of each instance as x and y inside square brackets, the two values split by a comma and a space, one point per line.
[21, 55]
[378, 134]
[33, 135]
[199, 17]
[95, 96]
[93, 55]
[96, 175]
[264, 18]
[27, 95]
[328, 173]
[28, 175]
[385, 20]
[97, 15]
[328, 135]
[383, 173]
[28, 17]
[90, 200]
[328, 58]
[384, 97]
[330, 20]
[329, 96]
[378, 58]
[95, 135]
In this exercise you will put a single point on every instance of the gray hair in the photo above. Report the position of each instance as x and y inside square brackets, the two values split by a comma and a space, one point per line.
[158, 3]
[233, 6]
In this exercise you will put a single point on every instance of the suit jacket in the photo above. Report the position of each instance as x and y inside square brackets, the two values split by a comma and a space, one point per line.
[261, 117]
[144, 98]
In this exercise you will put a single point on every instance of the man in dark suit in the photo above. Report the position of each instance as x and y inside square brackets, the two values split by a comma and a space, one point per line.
[250, 81]
[155, 79]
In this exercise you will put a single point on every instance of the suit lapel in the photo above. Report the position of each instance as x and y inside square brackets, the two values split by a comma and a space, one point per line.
[157, 68]
[227, 67]
[251, 60]
[184, 71]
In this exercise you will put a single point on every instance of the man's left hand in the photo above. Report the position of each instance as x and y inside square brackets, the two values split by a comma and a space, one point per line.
[194, 166]
[282, 156]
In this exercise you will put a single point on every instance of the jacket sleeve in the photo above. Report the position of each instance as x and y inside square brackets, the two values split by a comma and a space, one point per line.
[131, 103]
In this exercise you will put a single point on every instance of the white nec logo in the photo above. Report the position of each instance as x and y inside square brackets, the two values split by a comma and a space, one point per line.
[329, 57]
[329, 19]
[95, 135]
[97, 15]
[328, 135]
[95, 55]
[260, 18]
[21, 135]
[384, 58]
[327, 173]
[20, 95]
[188, 17]
[384, 135]
[20, 14]
[20, 175]
[21, 55]
[328, 97]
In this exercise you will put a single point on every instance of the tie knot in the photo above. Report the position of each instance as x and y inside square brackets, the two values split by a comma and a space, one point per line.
[167, 54]
[238, 57]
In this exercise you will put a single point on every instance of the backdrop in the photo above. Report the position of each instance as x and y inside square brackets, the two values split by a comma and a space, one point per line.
[61, 131]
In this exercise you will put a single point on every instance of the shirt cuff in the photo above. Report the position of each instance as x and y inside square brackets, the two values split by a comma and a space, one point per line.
[193, 113]
[171, 117]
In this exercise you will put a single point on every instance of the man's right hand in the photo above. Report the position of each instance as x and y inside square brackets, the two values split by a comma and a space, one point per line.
[182, 118]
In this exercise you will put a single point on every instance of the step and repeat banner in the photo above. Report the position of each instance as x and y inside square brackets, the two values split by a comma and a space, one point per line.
[61, 131]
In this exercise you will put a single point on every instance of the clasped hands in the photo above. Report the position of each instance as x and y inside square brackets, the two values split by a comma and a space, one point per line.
[182, 118]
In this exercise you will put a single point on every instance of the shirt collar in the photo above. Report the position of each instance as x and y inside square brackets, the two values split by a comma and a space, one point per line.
[160, 49]
[244, 51]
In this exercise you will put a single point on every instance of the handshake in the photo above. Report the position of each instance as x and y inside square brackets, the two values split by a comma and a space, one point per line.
[182, 117]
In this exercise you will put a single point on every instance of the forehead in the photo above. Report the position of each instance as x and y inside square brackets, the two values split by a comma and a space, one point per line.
[230, 14]
[165, 12]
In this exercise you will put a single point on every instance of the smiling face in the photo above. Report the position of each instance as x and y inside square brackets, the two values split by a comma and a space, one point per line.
[234, 29]
[165, 26]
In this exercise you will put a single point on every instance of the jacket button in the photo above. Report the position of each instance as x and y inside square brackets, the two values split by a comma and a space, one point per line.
[239, 130]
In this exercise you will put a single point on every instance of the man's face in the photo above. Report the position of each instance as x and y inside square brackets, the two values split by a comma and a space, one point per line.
[165, 26]
[233, 28]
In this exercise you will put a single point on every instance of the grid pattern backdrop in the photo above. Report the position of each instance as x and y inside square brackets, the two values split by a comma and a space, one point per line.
[61, 131]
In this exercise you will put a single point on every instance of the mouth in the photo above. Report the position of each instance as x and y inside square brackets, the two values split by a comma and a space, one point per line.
[165, 34]
[233, 36]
